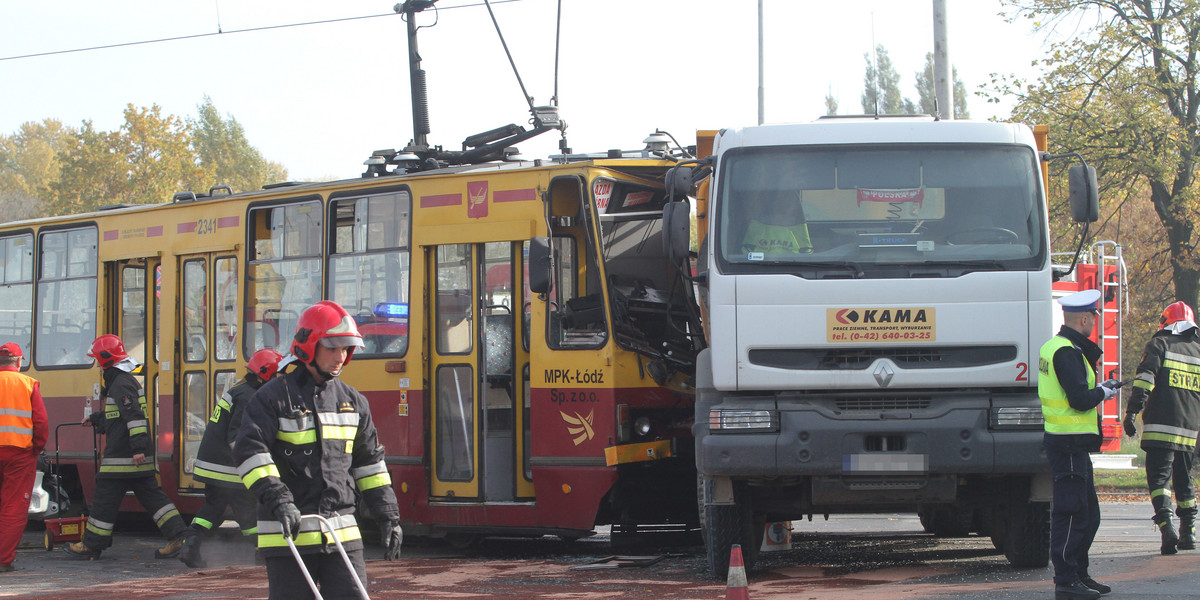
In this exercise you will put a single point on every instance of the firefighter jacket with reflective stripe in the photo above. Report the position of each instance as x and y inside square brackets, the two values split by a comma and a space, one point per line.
[214, 461]
[1067, 385]
[1168, 386]
[23, 422]
[125, 426]
[316, 446]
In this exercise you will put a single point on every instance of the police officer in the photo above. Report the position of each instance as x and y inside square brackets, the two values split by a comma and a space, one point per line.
[1167, 386]
[307, 445]
[128, 462]
[1067, 387]
[214, 461]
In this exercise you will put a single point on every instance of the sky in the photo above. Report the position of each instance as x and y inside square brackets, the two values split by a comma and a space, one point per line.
[318, 99]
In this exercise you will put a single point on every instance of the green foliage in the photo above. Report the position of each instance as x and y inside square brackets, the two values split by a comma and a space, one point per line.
[881, 87]
[146, 161]
[28, 165]
[50, 169]
[226, 156]
[927, 92]
[831, 104]
[1121, 91]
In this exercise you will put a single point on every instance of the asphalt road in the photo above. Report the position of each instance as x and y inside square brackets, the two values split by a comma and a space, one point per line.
[861, 557]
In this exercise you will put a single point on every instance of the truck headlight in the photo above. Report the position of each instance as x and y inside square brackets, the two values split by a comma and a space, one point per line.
[1016, 417]
[743, 420]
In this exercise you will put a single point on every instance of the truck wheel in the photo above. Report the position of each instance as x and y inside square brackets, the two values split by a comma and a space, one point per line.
[1027, 543]
[724, 526]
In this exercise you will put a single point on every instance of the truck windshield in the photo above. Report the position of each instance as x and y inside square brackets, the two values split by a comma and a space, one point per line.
[908, 210]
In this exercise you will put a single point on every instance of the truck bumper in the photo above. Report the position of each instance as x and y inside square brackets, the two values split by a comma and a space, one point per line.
[914, 454]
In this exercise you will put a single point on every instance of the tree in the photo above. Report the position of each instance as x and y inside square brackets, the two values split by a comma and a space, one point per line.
[926, 91]
[226, 156]
[146, 161]
[28, 165]
[881, 87]
[1123, 93]
[831, 104]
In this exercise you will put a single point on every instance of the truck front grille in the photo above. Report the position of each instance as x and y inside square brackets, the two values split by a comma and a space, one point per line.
[905, 357]
[882, 403]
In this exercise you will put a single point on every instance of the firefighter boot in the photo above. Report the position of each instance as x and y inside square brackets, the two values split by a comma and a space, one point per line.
[1167, 529]
[81, 551]
[171, 550]
[1187, 532]
[190, 553]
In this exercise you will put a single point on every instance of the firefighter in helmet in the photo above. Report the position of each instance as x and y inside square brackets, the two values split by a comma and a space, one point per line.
[128, 461]
[214, 461]
[1167, 386]
[308, 445]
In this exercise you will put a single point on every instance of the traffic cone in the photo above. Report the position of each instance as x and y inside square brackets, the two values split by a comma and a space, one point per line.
[735, 585]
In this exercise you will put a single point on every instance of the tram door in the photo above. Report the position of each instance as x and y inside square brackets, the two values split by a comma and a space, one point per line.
[206, 361]
[134, 318]
[479, 371]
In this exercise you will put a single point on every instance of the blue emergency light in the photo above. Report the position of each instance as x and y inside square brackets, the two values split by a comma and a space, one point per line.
[391, 310]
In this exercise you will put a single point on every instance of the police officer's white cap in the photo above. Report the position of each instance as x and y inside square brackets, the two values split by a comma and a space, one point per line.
[1085, 301]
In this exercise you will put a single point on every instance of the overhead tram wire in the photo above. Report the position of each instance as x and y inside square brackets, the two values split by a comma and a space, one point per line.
[230, 32]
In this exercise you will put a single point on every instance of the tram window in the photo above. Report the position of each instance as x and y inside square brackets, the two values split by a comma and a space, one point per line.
[195, 311]
[283, 276]
[224, 381]
[16, 290]
[66, 298]
[369, 267]
[576, 320]
[454, 299]
[455, 423]
[133, 311]
[225, 334]
[195, 416]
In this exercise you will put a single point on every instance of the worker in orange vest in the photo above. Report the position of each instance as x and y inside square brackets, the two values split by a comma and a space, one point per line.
[23, 432]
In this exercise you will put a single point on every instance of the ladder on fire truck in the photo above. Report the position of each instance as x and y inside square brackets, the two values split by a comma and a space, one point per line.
[1101, 267]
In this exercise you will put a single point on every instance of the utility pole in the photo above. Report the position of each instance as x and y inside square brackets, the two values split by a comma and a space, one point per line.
[942, 81]
[761, 93]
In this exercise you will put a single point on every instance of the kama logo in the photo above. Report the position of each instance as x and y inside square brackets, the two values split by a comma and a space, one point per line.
[582, 429]
[846, 316]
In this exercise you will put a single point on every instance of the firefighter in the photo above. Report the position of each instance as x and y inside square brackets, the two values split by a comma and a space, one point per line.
[1167, 385]
[1069, 394]
[128, 462]
[214, 461]
[307, 445]
[23, 432]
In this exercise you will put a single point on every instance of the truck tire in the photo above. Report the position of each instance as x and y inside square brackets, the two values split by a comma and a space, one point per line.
[1027, 540]
[725, 525]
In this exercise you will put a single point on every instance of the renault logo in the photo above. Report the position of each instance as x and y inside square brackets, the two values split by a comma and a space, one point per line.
[883, 375]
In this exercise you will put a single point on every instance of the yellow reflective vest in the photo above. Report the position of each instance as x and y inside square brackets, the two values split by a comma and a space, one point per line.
[1059, 417]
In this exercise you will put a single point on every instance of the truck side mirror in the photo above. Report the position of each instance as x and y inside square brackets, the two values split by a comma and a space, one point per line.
[677, 230]
[539, 265]
[678, 182]
[1084, 194]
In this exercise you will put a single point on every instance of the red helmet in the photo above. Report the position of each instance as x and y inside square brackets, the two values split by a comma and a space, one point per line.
[1178, 311]
[328, 323]
[264, 363]
[108, 350]
[10, 349]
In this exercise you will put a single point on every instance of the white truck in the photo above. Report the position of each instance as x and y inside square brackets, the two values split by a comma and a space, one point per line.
[875, 292]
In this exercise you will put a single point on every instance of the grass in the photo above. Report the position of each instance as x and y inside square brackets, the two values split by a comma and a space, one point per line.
[1125, 480]
[1128, 480]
